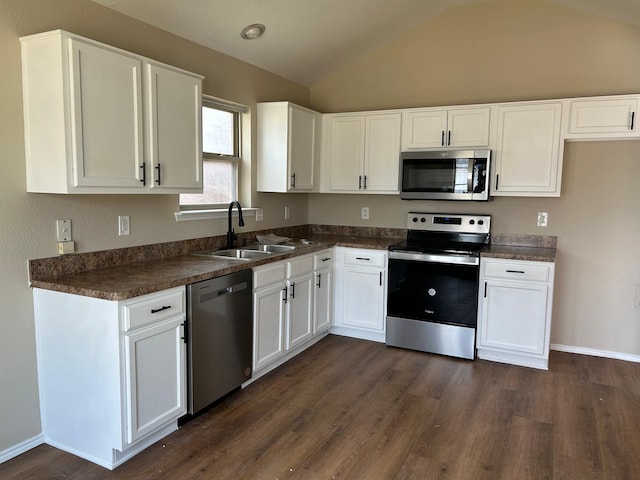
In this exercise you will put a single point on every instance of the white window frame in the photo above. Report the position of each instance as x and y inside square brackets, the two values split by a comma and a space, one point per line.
[188, 212]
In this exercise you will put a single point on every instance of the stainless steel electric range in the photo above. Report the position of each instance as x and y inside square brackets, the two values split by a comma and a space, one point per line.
[433, 283]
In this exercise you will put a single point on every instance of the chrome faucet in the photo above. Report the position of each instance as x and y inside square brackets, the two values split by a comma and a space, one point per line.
[231, 236]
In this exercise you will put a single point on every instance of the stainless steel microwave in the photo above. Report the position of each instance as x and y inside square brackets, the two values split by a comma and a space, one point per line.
[445, 175]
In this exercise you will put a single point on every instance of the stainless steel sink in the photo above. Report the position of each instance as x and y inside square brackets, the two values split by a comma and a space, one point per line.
[270, 248]
[235, 254]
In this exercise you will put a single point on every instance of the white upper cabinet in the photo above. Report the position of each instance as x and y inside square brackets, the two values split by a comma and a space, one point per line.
[436, 128]
[362, 152]
[527, 149]
[102, 120]
[603, 118]
[175, 131]
[288, 147]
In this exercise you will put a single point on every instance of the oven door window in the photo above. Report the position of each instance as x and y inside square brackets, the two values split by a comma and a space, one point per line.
[433, 292]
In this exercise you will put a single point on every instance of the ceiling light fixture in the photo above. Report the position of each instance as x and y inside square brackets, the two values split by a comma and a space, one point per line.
[252, 32]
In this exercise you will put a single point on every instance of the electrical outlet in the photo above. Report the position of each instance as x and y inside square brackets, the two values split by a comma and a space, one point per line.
[365, 213]
[638, 295]
[543, 219]
[63, 228]
[259, 215]
[123, 225]
[287, 212]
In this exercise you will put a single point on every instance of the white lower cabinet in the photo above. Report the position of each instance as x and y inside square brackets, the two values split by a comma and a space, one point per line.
[514, 311]
[323, 296]
[285, 303]
[361, 293]
[112, 375]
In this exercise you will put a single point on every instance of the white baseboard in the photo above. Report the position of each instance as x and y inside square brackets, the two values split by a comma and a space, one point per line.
[595, 353]
[20, 448]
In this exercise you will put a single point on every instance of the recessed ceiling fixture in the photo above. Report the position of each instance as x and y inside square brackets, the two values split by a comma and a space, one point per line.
[252, 32]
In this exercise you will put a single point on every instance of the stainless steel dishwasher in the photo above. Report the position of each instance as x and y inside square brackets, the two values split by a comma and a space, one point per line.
[219, 337]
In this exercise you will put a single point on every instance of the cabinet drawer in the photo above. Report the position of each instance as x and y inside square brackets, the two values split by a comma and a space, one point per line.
[323, 259]
[299, 266]
[364, 258]
[517, 271]
[153, 308]
[272, 273]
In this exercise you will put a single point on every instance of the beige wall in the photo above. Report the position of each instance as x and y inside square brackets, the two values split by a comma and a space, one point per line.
[495, 51]
[28, 220]
[522, 50]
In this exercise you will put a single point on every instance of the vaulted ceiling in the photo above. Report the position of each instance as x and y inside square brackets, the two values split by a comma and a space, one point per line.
[305, 40]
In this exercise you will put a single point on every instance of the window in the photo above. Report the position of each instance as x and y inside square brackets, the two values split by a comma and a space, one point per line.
[220, 155]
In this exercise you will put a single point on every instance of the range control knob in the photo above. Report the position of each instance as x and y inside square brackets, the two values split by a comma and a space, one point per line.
[415, 219]
[480, 222]
[423, 219]
[472, 222]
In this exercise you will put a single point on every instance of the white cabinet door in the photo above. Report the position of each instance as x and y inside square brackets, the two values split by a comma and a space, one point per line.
[514, 316]
[382, 153]
[300, 310]
[611, 117]
[288, 138]
[269, 324]
[303, 127]
[438, 127]
[175, 131]
[346, 153]
[363, 152]
[364, 298]
[155, 383]
[106, 114]
[527, 150]
[468, 127]
[424, 128]
[322, 300]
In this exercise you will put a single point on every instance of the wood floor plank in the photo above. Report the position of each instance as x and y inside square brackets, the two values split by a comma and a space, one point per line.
[356, 410]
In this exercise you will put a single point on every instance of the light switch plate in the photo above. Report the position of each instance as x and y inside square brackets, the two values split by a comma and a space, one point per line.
[63, 228]
[123, 225]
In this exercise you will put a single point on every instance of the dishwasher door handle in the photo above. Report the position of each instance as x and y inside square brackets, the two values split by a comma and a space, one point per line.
[205, 297]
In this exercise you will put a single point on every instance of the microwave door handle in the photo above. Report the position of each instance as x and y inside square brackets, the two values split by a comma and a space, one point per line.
[470, 181]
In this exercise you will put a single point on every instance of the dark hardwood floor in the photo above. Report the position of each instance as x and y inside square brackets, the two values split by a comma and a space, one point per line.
[351, 409]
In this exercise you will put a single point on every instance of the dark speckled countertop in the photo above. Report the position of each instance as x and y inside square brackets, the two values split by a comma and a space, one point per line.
[130, 280]
[127, 273]
[535, 248]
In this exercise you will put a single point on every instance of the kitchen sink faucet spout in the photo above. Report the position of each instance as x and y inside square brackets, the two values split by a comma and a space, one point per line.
[231, 236]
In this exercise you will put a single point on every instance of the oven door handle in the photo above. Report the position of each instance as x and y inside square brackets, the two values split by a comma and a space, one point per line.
[434, 258]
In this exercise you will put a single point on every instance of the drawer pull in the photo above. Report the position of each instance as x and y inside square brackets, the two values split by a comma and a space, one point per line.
[326, 259]
[156, 310]
[516, 271]
[363, 258]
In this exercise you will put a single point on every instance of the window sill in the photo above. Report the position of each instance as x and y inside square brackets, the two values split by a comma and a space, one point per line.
[187, 215]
